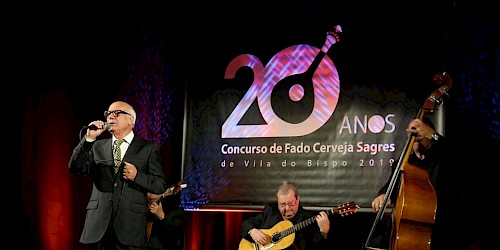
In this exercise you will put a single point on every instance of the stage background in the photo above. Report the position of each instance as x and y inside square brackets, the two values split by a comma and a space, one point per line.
[65, 67]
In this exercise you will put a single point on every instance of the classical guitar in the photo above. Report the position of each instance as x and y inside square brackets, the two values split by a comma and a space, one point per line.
[283, 233]
[172, 190]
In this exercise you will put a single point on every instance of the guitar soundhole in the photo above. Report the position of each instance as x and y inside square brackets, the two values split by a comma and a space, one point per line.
[293, 111]
[276, 237]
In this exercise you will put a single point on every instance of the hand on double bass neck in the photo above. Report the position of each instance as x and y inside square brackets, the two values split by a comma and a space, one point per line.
[423, 135]
[420, 130]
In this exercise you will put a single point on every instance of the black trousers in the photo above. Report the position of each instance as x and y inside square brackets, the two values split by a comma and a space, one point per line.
[110, 242]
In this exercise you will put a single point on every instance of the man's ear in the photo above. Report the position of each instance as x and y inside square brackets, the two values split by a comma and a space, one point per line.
[131, 120]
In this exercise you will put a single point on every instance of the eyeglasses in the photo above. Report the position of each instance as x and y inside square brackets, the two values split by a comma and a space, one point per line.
[289, 204]
[115, 113]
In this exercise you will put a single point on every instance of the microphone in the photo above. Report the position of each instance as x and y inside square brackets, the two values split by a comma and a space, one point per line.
[94, 127]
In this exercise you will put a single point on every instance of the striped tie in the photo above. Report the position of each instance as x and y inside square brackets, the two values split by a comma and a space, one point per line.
[117, 154]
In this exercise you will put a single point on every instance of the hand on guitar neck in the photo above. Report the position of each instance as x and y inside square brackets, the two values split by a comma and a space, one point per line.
[154, 200]
[155, 206]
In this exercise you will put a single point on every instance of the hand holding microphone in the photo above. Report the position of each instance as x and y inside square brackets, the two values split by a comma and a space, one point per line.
[95, 128]
[94, 125]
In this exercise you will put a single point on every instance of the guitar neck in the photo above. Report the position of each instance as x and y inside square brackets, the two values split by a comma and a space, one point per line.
[170, 191]
[344, 209]
[304, 223]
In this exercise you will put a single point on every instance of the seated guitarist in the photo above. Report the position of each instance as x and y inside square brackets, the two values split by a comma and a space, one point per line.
[288, 208]
[167, 228]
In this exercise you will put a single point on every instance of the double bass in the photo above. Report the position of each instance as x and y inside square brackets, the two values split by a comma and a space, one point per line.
[415, 209]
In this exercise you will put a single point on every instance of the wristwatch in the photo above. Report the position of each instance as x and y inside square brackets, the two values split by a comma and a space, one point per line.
[435, 137]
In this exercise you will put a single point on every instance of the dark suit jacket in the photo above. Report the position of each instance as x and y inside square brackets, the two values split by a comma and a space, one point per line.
[307, 238]
[113, 199]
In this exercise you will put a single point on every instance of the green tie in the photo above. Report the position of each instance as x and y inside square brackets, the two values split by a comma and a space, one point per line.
[117, 154]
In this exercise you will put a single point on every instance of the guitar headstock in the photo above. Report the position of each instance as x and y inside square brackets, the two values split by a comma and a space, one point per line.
[346, 208]
[173, 190]
[335, 32]
[332, 37]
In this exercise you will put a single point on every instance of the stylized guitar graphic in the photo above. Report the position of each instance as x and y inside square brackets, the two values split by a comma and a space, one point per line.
[303, 73]
[283, 233]
[172, 190]
[297, 91]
